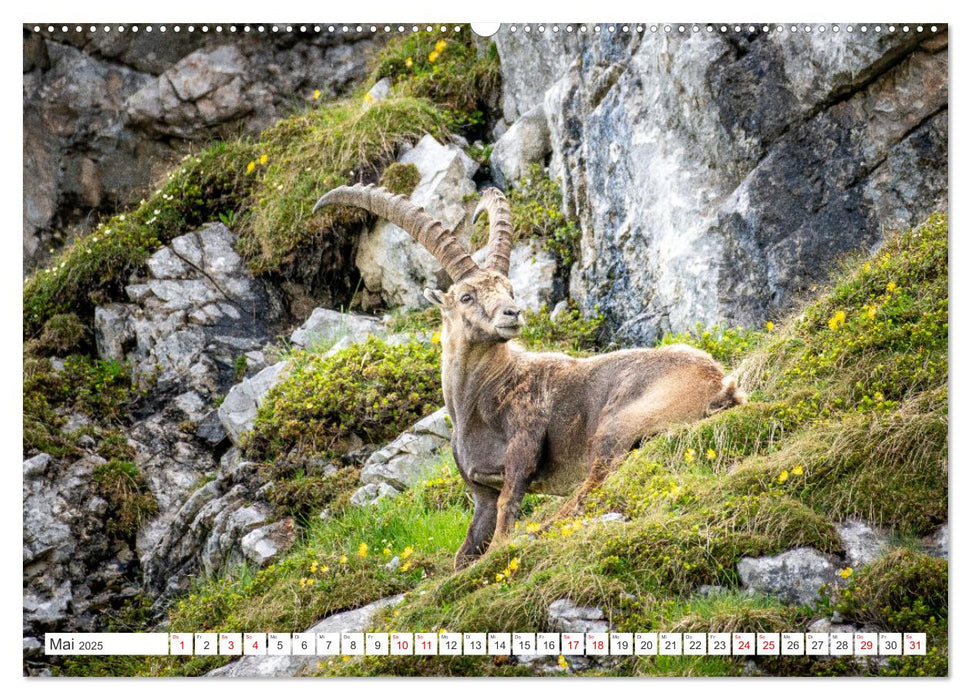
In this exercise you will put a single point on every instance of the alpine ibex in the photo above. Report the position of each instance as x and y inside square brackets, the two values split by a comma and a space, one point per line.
[527, 421]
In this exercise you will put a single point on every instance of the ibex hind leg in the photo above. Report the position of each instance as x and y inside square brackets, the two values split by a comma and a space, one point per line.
[481, 528]
[608, 448]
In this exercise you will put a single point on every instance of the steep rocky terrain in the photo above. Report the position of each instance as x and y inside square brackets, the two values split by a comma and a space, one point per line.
[232, 407]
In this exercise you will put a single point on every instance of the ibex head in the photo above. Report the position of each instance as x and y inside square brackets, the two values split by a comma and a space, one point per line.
[480, 305]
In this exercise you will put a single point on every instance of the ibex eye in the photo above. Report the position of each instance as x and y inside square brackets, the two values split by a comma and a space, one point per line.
[466, 299]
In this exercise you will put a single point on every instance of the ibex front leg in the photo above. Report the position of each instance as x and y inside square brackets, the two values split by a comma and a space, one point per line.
[522, 457]
[482, 526]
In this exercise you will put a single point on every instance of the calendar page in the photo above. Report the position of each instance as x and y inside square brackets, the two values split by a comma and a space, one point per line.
[521, 349]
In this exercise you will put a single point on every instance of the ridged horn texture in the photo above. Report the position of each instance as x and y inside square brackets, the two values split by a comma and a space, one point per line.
[494, 203]
[400, 211]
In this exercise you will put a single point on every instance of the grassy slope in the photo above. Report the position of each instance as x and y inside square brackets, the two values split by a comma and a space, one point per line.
[848, 418]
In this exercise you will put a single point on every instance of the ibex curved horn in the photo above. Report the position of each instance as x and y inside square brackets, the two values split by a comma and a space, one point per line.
[500, 228]
[400, 211]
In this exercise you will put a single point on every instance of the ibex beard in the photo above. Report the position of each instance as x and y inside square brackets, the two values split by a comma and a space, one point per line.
[536, 422]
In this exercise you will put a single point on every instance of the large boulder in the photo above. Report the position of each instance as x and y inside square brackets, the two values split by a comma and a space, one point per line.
[794, 576]
[716, 177]
[329, 327]
[403, 462]
[238, 410]
[524, 143]
[191, 316]
[393, 265]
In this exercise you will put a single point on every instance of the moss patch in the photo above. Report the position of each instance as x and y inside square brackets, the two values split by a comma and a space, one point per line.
[447, 69]
[130, 501]
[372, 390]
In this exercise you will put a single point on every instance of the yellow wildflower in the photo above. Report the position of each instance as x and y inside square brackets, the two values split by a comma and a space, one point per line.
[689, 456]
[386, 552]
[310, 581]
[500, 577]
[711, 454]
[839, 318]
[408, 62]
[302, 582]
[871, 312]
[561, 662]
[407, 552]
[514, 564]
[440, 45]
[891, 287]
[407, 565]
[783, 477]
[263, 159]
[845, 573]
[343, 559]
[316, 95]
[797, 470]
[313, 567]
[532, 527]
[362, 549]
[251, 167]
[433, 56]
[769, 325]
[436, 337]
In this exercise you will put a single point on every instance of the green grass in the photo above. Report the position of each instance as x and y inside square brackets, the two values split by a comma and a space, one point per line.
[447, 69]
[306, 155]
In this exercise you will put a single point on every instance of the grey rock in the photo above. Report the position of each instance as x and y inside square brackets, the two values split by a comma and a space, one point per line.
[405, 460]
[862, 543]
[379, 91]
[106, 113]
[114, 332]
[566, 616]
[531, 63]
[372, 494]
[393, 564]
[238, 410]
[199, 309]
[526, 142]
[794, 576]
[211, 429]
[264, 544]
[205, 532]
[392, 264]
[290, 666]
[827, 626]
[612, 518]
[708, 591]
[561, 308]
[328, 326]
[939, 542]
[36, 466]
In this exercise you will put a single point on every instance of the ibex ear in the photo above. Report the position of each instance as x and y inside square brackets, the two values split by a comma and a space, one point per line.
[435, 296]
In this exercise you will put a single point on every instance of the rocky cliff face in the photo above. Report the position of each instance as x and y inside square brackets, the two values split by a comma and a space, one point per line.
[107, 113]
[718, 176]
